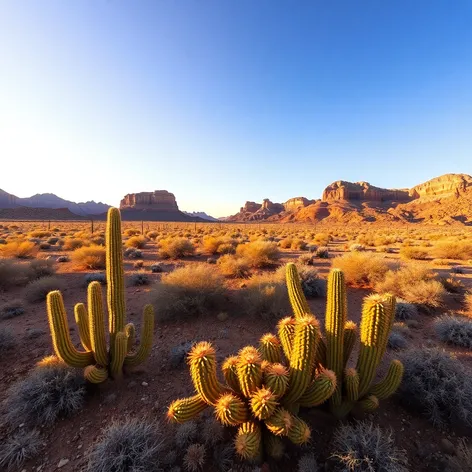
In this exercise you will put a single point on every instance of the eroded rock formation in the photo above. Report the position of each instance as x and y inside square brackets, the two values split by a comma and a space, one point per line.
[159, 200]
[362, 192]
[447, 185]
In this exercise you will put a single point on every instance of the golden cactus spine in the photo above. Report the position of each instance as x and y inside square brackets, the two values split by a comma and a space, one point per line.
[390, 383]
[185, 409]
[336, 317]
[98, 359]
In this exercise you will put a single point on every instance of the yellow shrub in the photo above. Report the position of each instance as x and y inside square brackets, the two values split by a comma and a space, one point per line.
[259, 253]
[19, 249]
[138, 242]
[89, 257]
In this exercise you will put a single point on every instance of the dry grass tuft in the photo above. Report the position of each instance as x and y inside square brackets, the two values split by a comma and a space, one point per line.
[174, 248]
[362, 268]
[89, 257]
[259, 254]
[19, 250]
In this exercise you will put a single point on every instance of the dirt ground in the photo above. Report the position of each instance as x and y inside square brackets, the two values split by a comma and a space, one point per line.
[148, 390]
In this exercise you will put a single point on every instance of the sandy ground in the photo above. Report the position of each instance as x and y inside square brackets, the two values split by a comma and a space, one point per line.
[148, 390]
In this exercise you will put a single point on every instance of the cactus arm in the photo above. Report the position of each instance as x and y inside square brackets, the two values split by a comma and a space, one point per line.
[202, 361]
[374, 324]
[114, 273]
[230, 373]
[269, 347]
[248, 441]
[390, 383]
[147, 333]
[300, 432]
[351, 384]
[280, 422]
[81, 319]
[350, 332]
[95, 374]
[96, 319]
[276, 378]
[295, 292]
[303, 357]
[231, 410]
[249, 370]
[319, 390]
[118, 354]
[335, 320]
[130, 331]
[286, 331]
[321, 352]
[369, 403]
[61, 340]
[273, 445]
[263, 403]
[185, 409]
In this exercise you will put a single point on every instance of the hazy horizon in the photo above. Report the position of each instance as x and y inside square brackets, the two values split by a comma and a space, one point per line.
[220, 102]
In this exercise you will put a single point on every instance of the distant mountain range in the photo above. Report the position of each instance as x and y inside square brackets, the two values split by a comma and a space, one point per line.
[200, 214]
[51, 201]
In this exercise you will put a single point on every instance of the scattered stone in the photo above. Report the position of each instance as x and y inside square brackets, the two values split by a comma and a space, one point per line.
[62, 463]
[144, 384]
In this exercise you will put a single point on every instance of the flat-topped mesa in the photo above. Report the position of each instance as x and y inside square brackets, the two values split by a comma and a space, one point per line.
[447, 185]
[363, 192]
[296, 203]
[250, 207]
[159, 200]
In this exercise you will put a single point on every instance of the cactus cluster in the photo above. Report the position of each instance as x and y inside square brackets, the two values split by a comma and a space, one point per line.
[264, 387]
[98, 359]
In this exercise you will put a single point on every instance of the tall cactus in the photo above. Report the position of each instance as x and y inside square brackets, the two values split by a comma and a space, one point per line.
[99, 359]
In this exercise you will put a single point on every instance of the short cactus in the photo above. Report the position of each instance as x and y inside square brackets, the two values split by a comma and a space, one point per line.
[100, 360]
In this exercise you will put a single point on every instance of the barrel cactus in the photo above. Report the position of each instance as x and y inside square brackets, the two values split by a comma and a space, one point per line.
[99, 358]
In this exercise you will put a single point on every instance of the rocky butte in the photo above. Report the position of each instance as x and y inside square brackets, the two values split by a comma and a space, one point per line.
[159, 200]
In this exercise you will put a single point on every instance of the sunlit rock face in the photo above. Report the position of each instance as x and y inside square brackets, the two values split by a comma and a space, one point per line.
[296, 203]
[364, 192]
[159, 200]
[448, 185]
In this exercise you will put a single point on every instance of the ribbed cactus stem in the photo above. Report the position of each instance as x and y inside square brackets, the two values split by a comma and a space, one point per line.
[202, 361]
[351, 384]
[231, 410]
[130, 331]
[321, 349]
[350, 333]
[276, 378]
[300, 432]
[96, 319]
[248, 440]
[115, 275]
[230, 373]
[286, 331]
[303, 357]
[145, 345]
[118, 354]
[62, 343]
[295, 292]
[96, 374]
[369, 403]
[185, 409]
[320, 389]
[269, 347]
[336, 316]
[280, 422]
[81, 318]
[263, 403]
[249, 370]
[374, 325]
[390, 383]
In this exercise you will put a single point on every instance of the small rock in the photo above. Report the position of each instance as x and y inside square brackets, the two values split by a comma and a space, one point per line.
[144, 384]
[62, 463]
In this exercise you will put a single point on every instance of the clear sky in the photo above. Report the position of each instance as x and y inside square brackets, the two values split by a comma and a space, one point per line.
[223, 101]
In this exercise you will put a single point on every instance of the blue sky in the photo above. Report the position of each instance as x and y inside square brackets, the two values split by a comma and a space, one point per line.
[222, 101]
